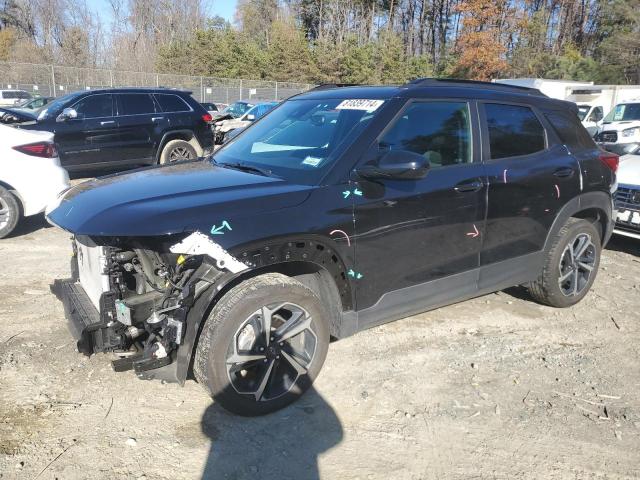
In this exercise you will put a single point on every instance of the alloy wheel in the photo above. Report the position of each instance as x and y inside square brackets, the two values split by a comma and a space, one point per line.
[5, 214]
[179, 154]
[576, 265]
[270, 351]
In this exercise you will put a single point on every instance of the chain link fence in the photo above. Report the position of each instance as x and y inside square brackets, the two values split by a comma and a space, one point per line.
[56, 80]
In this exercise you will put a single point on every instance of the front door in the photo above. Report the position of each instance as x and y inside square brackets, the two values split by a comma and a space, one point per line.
[91, 139]
[418, 241]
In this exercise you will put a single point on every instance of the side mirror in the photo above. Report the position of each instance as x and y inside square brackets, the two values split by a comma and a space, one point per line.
[251, 117]
[396, 165]
[67, 114]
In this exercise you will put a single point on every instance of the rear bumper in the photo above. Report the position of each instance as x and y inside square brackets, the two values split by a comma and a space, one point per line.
[83, 320]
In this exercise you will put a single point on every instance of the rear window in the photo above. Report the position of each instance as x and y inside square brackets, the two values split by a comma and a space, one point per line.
[570, 130]
[136, 104]
[171, 103]
[513, 131]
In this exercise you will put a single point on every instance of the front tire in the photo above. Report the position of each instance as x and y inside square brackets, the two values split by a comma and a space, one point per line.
[177, 151]
[570, 267]
[262, 345]
[9, 212]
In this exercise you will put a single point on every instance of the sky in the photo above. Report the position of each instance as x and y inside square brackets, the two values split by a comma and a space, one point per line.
[224, 8]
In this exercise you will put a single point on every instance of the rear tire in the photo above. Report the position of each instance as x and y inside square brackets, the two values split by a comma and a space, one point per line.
[177, 151]
[9, 212]
[570, 267]
[262, 345]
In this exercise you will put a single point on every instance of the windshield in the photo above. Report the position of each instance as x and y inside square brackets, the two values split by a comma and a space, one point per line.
[238, 109]
[624, 112]
[582, 111]
[298, 140]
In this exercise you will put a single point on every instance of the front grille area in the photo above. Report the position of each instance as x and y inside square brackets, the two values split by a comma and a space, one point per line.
[627, 201]
[609, 137]
[627, 198]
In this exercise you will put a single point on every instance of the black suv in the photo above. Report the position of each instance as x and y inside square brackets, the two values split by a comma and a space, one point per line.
[125, 127]
[342, 209]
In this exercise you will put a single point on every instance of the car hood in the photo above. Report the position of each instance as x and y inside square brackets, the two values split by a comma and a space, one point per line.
[629, 170]
[619, 126]
[169, 199]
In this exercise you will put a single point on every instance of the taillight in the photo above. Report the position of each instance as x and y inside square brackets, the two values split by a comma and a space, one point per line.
[40, 149]
[611, 160]
[207, 117]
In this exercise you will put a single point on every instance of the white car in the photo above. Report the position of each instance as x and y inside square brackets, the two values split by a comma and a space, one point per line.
[620, 130]
[13, 97]
[628, 196]
[30, 175]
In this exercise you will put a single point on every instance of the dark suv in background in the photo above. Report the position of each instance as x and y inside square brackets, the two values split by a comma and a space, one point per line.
[342, 209]
[124, 127]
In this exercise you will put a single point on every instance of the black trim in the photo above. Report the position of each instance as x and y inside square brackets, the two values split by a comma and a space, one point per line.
[420, 298]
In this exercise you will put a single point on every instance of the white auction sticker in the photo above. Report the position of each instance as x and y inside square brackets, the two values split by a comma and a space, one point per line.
[360, 104]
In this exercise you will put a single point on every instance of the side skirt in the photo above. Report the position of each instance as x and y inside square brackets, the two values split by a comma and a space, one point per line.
[427, 296]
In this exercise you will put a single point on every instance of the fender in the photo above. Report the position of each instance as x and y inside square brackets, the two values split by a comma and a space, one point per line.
[187, 132]
[289, 256]
[590, 200]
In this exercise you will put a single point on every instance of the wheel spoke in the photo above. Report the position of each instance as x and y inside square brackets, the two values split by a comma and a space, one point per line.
[296, 329]
[263, 383]
[565, 276]
[294, 363]
[295, 316]
[243, 358]
[576, 277]
[586, 266]
[583, 247]
[266, 324]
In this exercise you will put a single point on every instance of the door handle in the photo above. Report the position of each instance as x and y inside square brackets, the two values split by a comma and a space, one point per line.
[107, 122]
[565, 172]
[469, 187]
[155, 119]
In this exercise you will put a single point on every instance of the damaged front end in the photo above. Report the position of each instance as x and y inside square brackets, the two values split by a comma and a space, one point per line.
[133, 296]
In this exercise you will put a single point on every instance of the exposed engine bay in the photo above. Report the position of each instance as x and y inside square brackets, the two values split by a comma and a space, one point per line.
[141, 297]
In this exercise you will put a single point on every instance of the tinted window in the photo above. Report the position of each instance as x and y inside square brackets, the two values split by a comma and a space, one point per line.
[210, 106]
[95, 106]
[513, 131]
[136, 103]
[570, 130]
[172, 103]
[439, 131]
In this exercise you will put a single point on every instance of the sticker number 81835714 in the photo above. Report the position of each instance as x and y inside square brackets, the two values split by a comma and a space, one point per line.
[360, 104]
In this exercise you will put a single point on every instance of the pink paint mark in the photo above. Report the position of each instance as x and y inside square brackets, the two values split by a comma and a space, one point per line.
[557, 190]
[504, 175]
[475, 232]
[342, 232]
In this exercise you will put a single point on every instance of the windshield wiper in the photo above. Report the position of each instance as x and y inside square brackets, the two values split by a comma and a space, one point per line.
[245, 168]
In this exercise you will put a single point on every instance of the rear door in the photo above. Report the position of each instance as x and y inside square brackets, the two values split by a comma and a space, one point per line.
[91, 139]
[139, 120]
[531, 176]
[420, 239]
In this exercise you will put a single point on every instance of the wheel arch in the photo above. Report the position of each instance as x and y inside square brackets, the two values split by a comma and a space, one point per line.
[312, 262]
[183, 134]
[15, 193]
[596, 207]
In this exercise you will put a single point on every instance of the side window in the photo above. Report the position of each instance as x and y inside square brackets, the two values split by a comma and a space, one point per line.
[440, 131]
[513, 131]
[597, 114]
[136, 104]
[95, 106]
[570, 130]
[171, 103]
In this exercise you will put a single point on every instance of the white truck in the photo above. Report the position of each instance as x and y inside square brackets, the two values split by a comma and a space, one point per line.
[594, 101]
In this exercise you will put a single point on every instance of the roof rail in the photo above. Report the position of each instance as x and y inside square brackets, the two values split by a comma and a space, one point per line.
[439, 82]
[327, 86]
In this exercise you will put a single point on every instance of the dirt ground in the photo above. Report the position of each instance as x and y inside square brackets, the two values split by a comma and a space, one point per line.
[493, 388]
